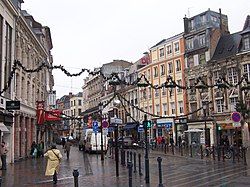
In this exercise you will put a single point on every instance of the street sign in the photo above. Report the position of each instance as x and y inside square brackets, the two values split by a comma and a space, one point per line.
[236, 124]
[140, 128]
[117, 121]
[105, 131]
[236, 117]
[95, 124]
[110, 129]
[105, 124]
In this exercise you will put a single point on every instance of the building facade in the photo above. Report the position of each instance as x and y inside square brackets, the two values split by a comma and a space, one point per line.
[201, 33]
[167, 62]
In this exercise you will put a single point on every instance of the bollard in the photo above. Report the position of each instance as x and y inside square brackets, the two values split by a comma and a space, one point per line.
[123, 158]
[201, 151]
[165, 148]
[223, 153]
[244, 157]
[213, 152]
[233, 155]
[131, 157]
[181, 150]
[219, 153]
[127, 157]
[0, 181]
[191, 151]
[134, 162]
[139, 160]
[75, 175]
[172, 146]
[130, 165]
[159, 159]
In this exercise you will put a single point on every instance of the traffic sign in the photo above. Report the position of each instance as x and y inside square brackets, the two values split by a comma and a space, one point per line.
[140, 128]
[105, 124]
[95, 124]
[236, 124]
[105, 131]
[116, 121]
[236, 117]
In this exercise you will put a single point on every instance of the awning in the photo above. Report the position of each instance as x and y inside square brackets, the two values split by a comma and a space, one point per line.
[130, 126]
[3, 128]
[194, 130]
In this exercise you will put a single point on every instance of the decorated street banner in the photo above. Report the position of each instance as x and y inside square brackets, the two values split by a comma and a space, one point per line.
[53, 115]
[40, 112]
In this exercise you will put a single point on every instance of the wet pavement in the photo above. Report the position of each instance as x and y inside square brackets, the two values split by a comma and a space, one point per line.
[177, 171]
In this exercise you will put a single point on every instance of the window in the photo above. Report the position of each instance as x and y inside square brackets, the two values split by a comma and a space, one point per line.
[79, 111]
[162, 69]
[162, 52]
[180, 103]
[178, 65]
[170, 67]
[176, 47]
[149, 74]
[169, 49]
[246, 70]
[191, 24]
[156, 92]
[164, 92]
[202, 58]
[246, 42]
[144, 94]
[74, 103]
[203, 19]
[232, 75]
[216, 76]
[190, 62]
[149, 93]
[157, 109]
[220, 105]
[179, 90]
[202, 40]
[150, 109]
[165, 109]
[79, 102]
[233, 101]
[214, 19]
[71, 103]
[190, 43]
[156, 71]
[173, 108]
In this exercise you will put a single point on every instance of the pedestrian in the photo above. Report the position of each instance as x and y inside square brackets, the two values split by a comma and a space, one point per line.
[179, 141]
[67, 148]
[3, 152]
[63, 142]
[32, 148]
[54, 157]
[171, 141]
[40, 149]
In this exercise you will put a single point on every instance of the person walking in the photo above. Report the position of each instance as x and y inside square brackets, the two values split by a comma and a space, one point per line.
[54, 157]
[3, 152]
[67, 148]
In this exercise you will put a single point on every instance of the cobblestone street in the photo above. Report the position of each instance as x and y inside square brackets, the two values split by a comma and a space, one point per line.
[177, 171]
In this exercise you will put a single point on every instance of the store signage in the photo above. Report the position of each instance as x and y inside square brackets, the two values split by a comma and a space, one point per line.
[40, 114]
[12, 105]
[53, 115]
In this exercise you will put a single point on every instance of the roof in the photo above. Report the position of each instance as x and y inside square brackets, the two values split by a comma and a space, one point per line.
[246, 27]
[227, 46]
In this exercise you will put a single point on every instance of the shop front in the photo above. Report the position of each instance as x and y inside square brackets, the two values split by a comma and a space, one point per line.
[165, 128]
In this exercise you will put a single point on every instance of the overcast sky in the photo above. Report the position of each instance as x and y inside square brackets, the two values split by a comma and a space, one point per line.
[89, 33]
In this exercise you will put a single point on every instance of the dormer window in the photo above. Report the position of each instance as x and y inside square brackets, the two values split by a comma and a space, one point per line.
[246, 43]
[162, 52]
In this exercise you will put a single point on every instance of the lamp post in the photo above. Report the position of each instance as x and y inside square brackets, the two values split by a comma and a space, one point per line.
[145, 122]
[101, 129]
[116, 104]
[205, 121]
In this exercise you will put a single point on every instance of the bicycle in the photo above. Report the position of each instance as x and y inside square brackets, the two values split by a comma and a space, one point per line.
[237, 151]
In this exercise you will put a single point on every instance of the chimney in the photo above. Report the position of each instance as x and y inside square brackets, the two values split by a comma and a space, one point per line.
[220, 19]
[70, 95]
[185, 19]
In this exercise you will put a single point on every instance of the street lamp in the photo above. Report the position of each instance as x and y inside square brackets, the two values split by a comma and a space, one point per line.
[101, 129]
[145, 124]
[116, 104]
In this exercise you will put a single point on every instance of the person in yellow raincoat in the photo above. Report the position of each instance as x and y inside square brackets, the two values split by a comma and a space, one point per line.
[54, 157]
